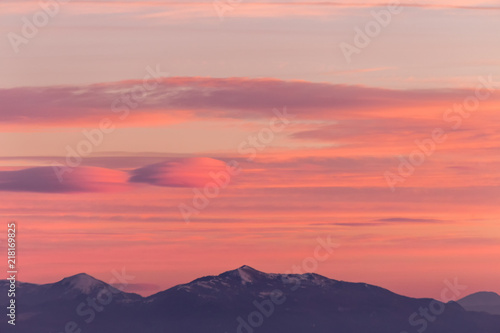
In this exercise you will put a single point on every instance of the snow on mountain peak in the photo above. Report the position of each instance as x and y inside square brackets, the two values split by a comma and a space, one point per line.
[82, 282]
[248, 274]
[245, 274]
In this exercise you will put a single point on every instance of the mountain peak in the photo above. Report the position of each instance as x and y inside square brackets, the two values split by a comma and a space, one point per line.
[482, 297]
[248, 274]
[245, 273]
[483, 301]
[80, 275]
[82, 282]
[247, 268]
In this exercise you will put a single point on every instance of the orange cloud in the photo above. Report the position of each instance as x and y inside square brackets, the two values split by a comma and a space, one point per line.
[179, 99]
[184, 172]
[175, 172]
[80, 179]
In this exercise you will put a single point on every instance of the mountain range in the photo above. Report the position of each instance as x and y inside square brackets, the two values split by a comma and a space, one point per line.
[243, 300]
[482, 302]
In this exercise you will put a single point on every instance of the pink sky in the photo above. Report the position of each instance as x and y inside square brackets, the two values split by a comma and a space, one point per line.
[321, 172]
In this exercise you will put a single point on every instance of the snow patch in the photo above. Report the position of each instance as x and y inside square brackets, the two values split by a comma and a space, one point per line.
[245, 276]
[82, 282]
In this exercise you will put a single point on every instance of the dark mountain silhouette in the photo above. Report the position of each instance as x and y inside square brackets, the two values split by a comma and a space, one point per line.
[242, 301]
[482, 301]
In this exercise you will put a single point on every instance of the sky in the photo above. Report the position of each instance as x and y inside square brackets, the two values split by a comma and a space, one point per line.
[181, 139]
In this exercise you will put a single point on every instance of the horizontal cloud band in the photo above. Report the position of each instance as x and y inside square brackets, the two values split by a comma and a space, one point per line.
[176, 99]
[182, 172]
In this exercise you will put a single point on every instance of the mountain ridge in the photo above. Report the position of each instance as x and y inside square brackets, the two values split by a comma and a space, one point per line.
[247, 271]
[233, 301]
[483, 301]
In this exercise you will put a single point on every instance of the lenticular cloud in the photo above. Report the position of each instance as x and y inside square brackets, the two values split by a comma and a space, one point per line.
[80, 179]
[183, 172]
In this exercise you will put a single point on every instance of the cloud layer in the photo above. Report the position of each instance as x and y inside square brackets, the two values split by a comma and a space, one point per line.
[179, 99]
[181, 172]
[184, 172]
[45, 179]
